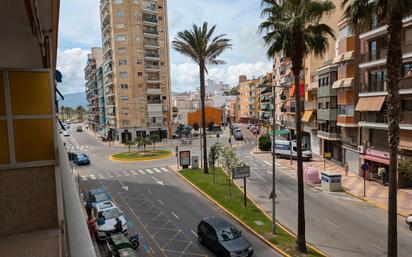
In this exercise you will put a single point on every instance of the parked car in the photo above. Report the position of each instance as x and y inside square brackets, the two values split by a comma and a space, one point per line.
[236, 130]
[223, 238]
[95, 196]
[79, 129]
[248, 126]
[66, 133]
[105, 214]
[409, 221]
[81, 159]
[117, 242]
[238, 136]
[283, 150]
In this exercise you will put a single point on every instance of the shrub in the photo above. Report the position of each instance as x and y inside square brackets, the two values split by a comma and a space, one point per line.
[265, 143]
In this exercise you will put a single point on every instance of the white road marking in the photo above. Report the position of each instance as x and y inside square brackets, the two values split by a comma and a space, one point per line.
[194, 233]
[142, 172]
[174, 214]
[148, 190]
[87, 146]
[377, 246]
[92, 176]
[149, 171]
[84, 177]
[126, 173]
[134, 172]
[330, 223]
[160, 201]
[164, 169]
[110, 176]
[268, 163]
[157, 170]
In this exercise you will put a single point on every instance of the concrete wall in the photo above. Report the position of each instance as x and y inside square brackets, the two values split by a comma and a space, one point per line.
[28, 200]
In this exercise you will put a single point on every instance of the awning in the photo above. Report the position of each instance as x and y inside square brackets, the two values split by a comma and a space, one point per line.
[264, 98]
[293, 89]
[264, 115]
[370, 104]
[338, 58]
[348, 82]
[306, 116]
[265, 107]
[348, 56]
[405, 140]
[375, 159]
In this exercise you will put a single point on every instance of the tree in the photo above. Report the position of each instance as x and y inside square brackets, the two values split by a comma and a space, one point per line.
[199, 44]
[265, 143]
[213, 156]
[234, 91]
[62, 111]
[129, 144]
[196, 126]
[363, 13]
[154, 138]
[80, 111]
[294, 27]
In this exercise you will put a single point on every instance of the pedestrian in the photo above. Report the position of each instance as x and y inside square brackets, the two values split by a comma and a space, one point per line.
[346, 168]
[91, 225]
[118, 227]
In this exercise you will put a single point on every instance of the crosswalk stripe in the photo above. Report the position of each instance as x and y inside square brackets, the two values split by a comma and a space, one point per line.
[92, 176]
[110, 176]
[142, 172]
[125, 173]
[133, 172]
[84, 177]
[149, 171]
[164, 169]
[157, 170]
[268, 163]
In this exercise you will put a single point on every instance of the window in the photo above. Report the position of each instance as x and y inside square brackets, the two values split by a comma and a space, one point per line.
[120, 38]
[139, 62]
[119, 13]
[122, 62]
[124, 86]
[121, 50]
[125, 111]
[140, 74]
[123, 74]
[118, 1]
[406, 67]
[125, 122]
[136, 1]
[140, 86]
[124, 98]
[135, 14]
[407, 105]
[119, 26]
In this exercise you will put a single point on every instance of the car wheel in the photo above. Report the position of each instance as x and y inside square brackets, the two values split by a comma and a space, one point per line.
[410, 226]
[200, 239]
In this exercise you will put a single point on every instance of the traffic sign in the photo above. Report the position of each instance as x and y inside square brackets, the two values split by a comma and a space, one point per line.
[241, 172]
[328, 155]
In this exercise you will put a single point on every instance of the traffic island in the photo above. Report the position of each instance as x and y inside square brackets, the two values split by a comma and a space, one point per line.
[215, 186]
[140, 156]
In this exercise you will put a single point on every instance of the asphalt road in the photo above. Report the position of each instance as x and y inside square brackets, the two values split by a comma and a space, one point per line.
[336, 223]
[158, 204]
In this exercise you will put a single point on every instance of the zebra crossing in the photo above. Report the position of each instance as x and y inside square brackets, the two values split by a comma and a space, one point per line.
[78, 147]
[123, 173]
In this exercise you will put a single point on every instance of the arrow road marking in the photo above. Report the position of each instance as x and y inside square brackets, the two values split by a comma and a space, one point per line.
[158, 181]
[124, 186]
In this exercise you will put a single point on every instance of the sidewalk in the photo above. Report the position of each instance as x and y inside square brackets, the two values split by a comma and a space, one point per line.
[376, 194]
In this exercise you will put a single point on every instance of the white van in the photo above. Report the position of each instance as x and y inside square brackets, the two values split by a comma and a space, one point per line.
[282, 150]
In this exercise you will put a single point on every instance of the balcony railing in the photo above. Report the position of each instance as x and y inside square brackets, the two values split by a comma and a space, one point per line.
[374, 55]
[151, 19]
[154, 67]
[151, 31]
[327, 134]
[310, 105]
[151, 43]
[152, 55]
[374, 117]
[405, 83]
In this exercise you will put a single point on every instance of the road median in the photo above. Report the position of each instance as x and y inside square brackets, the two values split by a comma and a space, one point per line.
[252, 217]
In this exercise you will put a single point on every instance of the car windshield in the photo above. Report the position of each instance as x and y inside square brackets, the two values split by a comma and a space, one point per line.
[110, 213]
[228, 233]
[82, 156]
[100, 197]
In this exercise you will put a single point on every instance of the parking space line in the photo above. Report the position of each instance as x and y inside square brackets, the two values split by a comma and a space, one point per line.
[174, 214]
[133, 172]
[193, 233]
[84, 178]
[160, 201]
[92, 176]
[268, 163]
[148, 190]
[330, 223]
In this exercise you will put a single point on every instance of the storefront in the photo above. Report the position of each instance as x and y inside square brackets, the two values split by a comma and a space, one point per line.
[335, 148]
[351, 157]
[315, 144]
[378, 165]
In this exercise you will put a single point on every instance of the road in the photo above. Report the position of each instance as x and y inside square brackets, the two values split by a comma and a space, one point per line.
[158, 204]
[336, 223]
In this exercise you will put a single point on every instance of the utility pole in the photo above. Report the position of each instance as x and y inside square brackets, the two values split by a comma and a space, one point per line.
[273, 162]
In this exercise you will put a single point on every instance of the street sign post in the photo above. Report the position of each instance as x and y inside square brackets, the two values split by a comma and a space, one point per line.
[242, 172]
[184, 157]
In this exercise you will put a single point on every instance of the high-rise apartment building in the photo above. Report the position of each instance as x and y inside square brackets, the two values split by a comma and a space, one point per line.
[135, 68]
[249, 104]
[93, 83]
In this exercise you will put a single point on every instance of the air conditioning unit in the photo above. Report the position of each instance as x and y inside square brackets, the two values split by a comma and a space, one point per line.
[361, 148]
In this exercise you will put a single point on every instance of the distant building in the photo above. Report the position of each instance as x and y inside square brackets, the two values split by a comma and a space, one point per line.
[214, 115]
[94, 88]
[249, 93]
[213, 88]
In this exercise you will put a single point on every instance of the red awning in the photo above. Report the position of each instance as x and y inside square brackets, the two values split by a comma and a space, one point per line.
[375, 159]
[301, 92]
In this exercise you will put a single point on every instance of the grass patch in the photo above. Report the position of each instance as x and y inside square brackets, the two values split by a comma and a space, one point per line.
[141, 155]
[219, 191]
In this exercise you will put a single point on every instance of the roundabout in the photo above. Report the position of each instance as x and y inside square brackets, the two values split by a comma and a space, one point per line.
[139, 156]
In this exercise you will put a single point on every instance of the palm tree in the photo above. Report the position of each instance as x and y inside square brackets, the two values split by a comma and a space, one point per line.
[198, 44]
[361, 14]
[293, 26]
[80, 111]
[62, 110]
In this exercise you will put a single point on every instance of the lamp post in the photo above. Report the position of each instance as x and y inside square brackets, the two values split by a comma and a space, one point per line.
[273, 161]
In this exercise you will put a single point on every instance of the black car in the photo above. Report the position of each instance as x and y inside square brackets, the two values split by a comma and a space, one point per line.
[223, 238]
[238, 136]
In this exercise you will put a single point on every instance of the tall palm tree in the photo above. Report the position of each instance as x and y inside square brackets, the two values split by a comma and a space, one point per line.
[293, 26]
[199, 44]
[361, 14]
[80, 111]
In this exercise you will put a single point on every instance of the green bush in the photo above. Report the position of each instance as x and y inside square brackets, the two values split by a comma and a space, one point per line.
[265, 143]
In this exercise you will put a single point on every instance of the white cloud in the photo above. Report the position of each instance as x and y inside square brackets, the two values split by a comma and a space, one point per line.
[71, 63]
[185, 76]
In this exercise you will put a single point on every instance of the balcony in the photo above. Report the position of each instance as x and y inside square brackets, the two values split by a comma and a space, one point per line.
[154, 91]
[150, 20]
[152, 56]
[150, 8]
[312, 105]
[151, 43]
[377, 120]
[379, 28]
[332, 136]
[405, 84]
[346, 121]
[153, 79]
[326, 91]
[327, 114]
[150, 32]
[374, 55]
[149, 67]
[378, 57]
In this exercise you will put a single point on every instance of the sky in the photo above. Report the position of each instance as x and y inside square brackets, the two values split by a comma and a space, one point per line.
[79, 30]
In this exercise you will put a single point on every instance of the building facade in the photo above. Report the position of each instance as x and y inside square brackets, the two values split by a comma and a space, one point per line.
[136, 72]
[93, 83]
[249, 104]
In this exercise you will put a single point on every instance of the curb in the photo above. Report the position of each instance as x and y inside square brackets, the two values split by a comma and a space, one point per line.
[345, 190]
[151, 159]
[233, 216]
[277, 222]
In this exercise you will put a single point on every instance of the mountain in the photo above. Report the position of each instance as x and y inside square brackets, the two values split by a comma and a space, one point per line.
[74, 100]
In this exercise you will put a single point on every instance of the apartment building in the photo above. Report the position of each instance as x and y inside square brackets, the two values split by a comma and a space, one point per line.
[372, 94]
[41, 211]
[136, 72]
[249, 104]
[94, 63]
